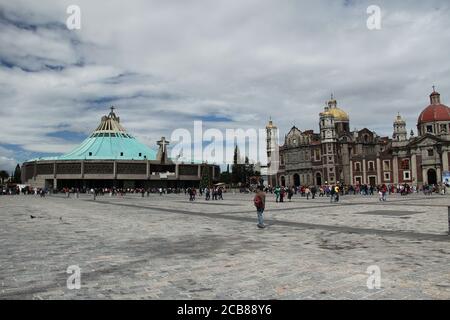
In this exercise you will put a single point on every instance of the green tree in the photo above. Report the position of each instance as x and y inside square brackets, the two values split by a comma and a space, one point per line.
[17, 176]
[206, 177]
[225, 177]
[4, 175]
[236, 169]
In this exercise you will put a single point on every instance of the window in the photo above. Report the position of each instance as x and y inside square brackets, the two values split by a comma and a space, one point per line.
[366, 138]
[90, 153]
[430, 152]
[430, 129]
[140, 154]
[405, 164]
[386, 165]
[121, 154]
[357, 166]
[317, 155]
[387, 176]
[406, 175]
[371, 166]
[443, 128]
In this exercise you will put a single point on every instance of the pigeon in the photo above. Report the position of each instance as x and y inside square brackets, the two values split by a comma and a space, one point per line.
[32, 217]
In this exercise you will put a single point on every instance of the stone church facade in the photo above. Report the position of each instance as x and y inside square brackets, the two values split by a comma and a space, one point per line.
[338, 155]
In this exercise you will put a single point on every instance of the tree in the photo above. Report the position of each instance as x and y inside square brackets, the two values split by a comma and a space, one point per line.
[4, 175]
[17, 176]
[241, 173]
[236, 169]
[206, 177]
[225, 177]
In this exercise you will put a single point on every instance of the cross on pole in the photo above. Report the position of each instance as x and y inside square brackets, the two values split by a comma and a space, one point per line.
[162, 143]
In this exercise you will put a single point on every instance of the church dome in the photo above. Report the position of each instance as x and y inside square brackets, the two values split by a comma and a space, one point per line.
[338, 114]
[399, 120]
[436, 111]
[110, 141]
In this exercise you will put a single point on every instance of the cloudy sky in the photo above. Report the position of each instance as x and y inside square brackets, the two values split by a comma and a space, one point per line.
[230, 63]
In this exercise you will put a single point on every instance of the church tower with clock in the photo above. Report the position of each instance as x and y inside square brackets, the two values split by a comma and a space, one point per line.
[334, 123]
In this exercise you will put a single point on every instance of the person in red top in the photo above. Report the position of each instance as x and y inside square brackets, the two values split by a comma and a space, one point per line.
[383, 192]
[260, 204]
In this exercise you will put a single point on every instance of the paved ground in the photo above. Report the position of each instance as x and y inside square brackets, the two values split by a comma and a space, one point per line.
[167, 248]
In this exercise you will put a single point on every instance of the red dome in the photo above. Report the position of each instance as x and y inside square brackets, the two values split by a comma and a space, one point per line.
[435, 112]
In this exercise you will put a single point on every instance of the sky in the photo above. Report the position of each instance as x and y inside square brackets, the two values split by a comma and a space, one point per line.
[230, 63]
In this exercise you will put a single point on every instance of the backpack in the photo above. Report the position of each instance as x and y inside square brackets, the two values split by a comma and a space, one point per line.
[258, 202]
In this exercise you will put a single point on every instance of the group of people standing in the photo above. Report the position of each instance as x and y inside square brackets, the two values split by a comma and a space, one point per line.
[214, 192]
[211, 193]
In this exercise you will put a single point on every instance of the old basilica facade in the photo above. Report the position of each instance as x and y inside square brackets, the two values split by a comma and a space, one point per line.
[338, 155]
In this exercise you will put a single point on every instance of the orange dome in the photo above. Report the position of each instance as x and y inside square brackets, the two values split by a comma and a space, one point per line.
[435, 112]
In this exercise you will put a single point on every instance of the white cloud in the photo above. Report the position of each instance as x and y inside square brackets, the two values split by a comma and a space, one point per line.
[165, 62]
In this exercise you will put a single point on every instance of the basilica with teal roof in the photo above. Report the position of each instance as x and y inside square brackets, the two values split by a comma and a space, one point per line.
[112, 157]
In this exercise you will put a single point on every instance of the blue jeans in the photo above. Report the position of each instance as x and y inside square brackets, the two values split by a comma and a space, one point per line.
[260, 216]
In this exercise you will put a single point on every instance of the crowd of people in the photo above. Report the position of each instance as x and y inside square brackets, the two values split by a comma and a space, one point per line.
[334, 191]
[211, 193]
[281, 193]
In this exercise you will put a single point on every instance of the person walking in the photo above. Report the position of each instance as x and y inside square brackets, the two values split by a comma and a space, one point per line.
[277, 193]
[336, 193]
[260, 204]
[321, 192]
[332, 193]
[307, 192]
[313, 192]
[290, 194]
[192, 193]
[383, 192]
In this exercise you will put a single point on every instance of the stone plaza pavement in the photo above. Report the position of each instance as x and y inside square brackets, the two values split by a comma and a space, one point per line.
[164, 247]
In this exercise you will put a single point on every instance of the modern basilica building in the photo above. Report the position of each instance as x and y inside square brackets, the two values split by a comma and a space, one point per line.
[111, 157]
[338, 155]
